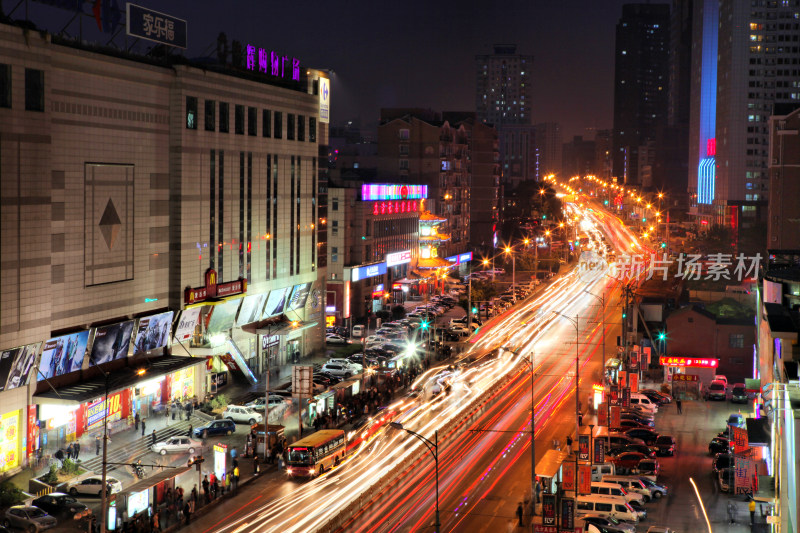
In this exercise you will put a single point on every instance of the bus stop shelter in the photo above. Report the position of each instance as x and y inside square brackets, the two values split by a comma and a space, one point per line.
[548, 469]
[137, 498]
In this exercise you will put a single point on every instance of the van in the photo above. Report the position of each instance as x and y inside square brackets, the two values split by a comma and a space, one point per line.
[631, 484]
[643, 401]
[605, 469]
[358, 331]
[605, 506]
[615, 489]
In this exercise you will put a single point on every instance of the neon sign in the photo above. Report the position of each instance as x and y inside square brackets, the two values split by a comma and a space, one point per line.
[689, 362]
[386, 191]
[396, 207]
[272, 63]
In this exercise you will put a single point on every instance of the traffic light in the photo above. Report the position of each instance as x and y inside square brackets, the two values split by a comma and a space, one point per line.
[624, 314]
[663, 245]
[544, 217]
[424, 325]
[662, 336]
[605, 202]
[474, 310]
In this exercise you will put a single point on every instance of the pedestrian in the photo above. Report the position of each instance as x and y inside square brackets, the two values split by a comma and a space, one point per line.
[186, 511]
[154, 437]
[206, 486]
[156, 522]
[191, 430]
[679, 406]
[234, 453]
[519, 514]
[752, 507]
[215, 488]
[97, 445]
[256, 465]
[143, 426]
[731, 512]
[136, 420]
[193, 495]
[569, 445]
[77, 450]
[235, 478]
[69, 451]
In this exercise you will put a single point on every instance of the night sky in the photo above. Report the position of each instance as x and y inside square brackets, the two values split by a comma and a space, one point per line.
[415, 53]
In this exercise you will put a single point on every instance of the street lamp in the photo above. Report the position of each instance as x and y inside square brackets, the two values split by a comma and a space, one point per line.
[574, 322]
[532, 364]
[433, 448]
[602, 300]
[513, 272]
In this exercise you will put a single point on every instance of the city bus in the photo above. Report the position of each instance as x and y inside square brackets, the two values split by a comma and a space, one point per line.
[313, 455]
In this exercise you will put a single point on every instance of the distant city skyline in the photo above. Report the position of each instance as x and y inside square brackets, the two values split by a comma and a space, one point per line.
[425, 61]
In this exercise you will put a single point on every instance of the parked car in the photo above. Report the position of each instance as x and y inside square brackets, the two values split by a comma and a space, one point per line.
[657, 489]
[640, 419]
[739, 393]
[461, 331]
[331, 338]
[644, 449]
[620, 439]
[91, 486]
[609, 522]
[359, 330]
[719, 445]
[29, 518]
[177, 445]
[338, 370]
[274, 400]
[628, 423]
[722, 460]
[57, 503]
[356, 367]
[216, 427]
[649, 468]
[665, 445]
[717, 390]
[726, 479]
[627, 461]
[655, 396]
[648, 435]
[242, 415]
[735, 420]
[722, 378]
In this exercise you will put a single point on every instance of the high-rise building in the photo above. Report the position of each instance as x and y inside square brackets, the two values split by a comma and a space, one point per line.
[783, 227]
[503, 99]
[578, 157]
[641, 77]
[548, 148]
[754, 51]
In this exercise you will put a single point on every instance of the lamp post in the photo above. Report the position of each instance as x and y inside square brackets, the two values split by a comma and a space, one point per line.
[532, 364]
[602, 299]
[508, 250]
[574, 322]
[433, 448]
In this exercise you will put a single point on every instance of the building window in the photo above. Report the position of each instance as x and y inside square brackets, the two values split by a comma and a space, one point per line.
[334, 227]
[266, 123]
[211, 114]
[334, 254]
[736, 340]
[238, 119]
[5, 85]
[290, 127]
[404, 164]
[312, 129]
[191, 113]
[335, 204]
[404, 134]
[403, 149]
[252, 122]
[301, 128]
[277, 125]
[34, 89]
[224, 117]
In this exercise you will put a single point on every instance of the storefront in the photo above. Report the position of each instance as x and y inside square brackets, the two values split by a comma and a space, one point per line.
[12, 441]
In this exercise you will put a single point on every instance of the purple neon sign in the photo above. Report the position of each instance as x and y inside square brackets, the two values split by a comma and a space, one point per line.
[270, 62]
[386, 191]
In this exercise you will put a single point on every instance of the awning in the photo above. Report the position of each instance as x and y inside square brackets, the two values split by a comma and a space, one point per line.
[548, 465]
[278, 326]
[120, 379]
[758, 431]
[406, 281]
[433, 262]
[155, 479]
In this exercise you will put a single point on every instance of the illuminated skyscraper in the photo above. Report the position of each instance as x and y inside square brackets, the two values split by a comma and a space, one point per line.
[503, 89]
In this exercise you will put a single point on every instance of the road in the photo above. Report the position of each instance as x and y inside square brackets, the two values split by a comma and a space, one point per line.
[476, 493]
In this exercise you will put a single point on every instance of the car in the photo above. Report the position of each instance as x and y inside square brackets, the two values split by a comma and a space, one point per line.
[28, 518]
[644, 449]
[739, 393]
[722, 460]
[716, 390]
[719, 445]
[91, 486]
[338, 370]
[274, 400]
[617, 440]
[648, 435]
[332, 338]
[356, 367]
[627, 461]
[242, 415]
[735, 420]
[609, 522]
[649, 468]
[461, 331]
[726, 479]
[655, 396]
[57, 503]
[657, 489]
[722, 378]
[626, 423]
[324, 380]
[641, 420]
[177, 444]
[216, 427]
[665, 445]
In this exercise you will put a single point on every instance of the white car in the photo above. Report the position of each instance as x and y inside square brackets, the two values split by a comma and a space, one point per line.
[274, 400]
[460, 330]
[338, 370]
[242, 415]
[177, 445]
[346, 362]
[92, 486]
[332, 338]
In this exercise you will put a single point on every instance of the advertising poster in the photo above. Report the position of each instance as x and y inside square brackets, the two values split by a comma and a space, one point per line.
[182, 385]
[7, 358]
[153, 332]
[567, 514]
[549, 509]
[622, 379]
[742, 474]
[584, 479]
[599, 452]
[568, 473]
[33, 430]
[23, 365]
[616, 416]
[276, 302]
[625, 397]
[583, 447]
[634, 382]
[96, 411]
[299, 296]
[9, 441]
[63, 355]
[220, 454]
[223, 316]
[186, 325]
[251, 309]
[740, 440]
[138, 502]
[111, 342]
[613, 396]
[602, 414]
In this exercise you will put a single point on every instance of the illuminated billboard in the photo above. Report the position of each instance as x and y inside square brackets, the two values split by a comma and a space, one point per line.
[386, 191]
[299, 296]
[153, 332]
[16, 365]
[276, 302]
[63, 355]
[111, 342]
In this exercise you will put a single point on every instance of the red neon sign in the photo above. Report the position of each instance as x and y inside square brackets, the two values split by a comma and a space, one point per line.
[689, 362]
[711, 147]
[391, 207]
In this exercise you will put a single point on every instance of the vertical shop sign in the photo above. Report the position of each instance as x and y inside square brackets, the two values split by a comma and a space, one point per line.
[549, 509]
[583, 447]
[584, 479]
[567, 514]
[599, 452]
[568, 471]
[616, 415]
[33, 430]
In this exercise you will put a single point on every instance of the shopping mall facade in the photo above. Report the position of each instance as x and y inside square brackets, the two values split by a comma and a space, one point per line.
[159, 233]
